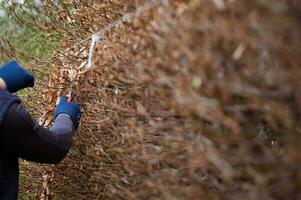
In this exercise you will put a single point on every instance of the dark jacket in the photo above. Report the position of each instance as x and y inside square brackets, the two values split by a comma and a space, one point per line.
[22, 137]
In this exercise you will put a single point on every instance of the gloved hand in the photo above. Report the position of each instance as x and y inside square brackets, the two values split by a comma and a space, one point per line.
[16, 77]
[70, 108]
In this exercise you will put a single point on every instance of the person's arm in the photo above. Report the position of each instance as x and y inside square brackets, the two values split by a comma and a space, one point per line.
[23, 137]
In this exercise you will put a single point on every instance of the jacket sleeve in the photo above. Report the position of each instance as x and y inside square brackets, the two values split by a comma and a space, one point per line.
[22, 136]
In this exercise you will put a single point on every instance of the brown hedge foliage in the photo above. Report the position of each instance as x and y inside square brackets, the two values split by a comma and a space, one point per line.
[185, 101]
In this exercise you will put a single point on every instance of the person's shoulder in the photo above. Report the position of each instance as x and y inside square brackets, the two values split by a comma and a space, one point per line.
[6, 95]
[6, 101]
[17, 112]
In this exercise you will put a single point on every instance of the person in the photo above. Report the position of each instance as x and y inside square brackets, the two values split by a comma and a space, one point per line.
[22, 137]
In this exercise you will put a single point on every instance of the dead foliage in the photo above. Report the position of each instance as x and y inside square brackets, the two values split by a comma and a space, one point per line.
[189, 100]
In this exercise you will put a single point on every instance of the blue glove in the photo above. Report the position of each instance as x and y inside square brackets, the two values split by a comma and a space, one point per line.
[70, 108]
[15, 77]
